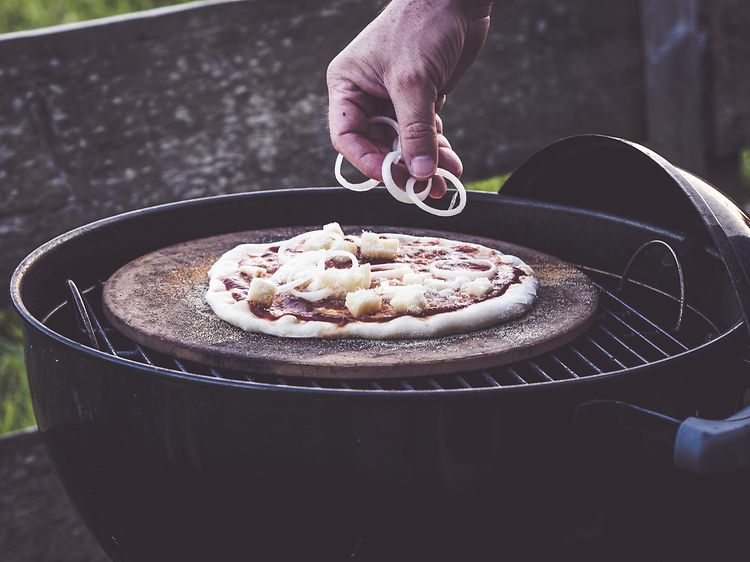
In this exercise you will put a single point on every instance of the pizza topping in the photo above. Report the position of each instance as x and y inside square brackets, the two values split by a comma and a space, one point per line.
[367, 278]
[372, 246]
[252, 271]
[470, 268]
[334, 228]
[390, 270]
[414, 278]
[363, 302]
[478, 287]
[261, 292]
[410, 300]
[346, 245]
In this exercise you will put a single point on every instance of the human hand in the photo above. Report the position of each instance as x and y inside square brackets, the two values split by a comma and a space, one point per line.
[402, 65]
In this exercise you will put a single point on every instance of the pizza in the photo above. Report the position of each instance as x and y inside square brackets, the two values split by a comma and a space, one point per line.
[328, 284]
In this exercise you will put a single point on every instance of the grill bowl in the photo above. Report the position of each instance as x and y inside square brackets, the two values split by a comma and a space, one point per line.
[164, 464]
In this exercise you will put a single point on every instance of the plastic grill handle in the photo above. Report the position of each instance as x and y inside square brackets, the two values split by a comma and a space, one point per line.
[714, 446]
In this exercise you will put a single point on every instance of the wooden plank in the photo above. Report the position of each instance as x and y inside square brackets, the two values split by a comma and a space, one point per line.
[674, 45]
[37, 521]
[730, 84]
[101, 118]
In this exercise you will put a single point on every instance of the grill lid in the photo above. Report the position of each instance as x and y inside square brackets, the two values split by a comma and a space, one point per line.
[613, 175]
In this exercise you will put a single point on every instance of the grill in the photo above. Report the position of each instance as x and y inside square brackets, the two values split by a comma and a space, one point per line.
[168, 459]
[628, 333]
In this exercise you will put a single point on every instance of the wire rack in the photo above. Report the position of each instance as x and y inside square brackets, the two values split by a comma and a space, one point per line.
[623, 336]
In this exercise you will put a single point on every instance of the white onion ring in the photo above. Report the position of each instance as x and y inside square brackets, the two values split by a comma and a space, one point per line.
[313, 296]
[330, 254]
[383, 120]
[305, 260]
[390, 270]
[366, 185]
[438, 212]
[398, 193]
[470, 273]
[294, 283]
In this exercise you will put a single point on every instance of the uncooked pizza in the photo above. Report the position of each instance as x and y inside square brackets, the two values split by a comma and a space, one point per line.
[325, 283]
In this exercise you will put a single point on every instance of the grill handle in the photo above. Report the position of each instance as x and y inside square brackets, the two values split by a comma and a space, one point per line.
[714, 446]
[701, 446]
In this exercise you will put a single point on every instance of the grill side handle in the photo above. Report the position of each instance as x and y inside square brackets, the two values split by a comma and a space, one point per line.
[714, 446]
[701, 446]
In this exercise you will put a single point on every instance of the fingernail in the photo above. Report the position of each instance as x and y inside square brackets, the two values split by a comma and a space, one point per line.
[422, 167]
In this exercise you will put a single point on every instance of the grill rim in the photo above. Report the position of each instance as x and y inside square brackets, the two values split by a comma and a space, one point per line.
[37, 324]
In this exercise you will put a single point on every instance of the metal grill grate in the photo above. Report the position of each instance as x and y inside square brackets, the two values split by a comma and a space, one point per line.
[623, 337]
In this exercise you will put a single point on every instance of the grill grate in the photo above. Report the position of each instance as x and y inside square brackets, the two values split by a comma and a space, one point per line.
[622, 337]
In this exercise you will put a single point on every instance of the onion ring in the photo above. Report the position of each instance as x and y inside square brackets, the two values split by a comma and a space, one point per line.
[366, 185]
[390, 270]
[330, 254]
[313, 296]
[398, 193]
[470, 273]
[438, 212]
[305, 277]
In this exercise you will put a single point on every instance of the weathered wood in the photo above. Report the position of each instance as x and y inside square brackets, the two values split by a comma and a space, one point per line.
[730, 75]
[674, 44]
[101, 118]
[37, 521]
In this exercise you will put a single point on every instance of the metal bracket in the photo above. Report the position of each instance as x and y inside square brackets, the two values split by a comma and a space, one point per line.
[680, 274]
[83, 318]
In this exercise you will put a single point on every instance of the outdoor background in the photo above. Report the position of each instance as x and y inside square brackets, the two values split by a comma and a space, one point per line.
[18, 15]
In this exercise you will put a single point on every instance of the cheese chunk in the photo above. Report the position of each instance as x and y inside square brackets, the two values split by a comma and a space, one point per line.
[345, 245]
[334, 228]
[478, 287]
[318, 241]
[410, 300]
[359, 278]
[372, 246]
[252, 270]
[363, 302]
[261, 292]
[414, 278]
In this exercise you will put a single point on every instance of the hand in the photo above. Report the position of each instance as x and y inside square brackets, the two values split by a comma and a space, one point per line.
[402, 65]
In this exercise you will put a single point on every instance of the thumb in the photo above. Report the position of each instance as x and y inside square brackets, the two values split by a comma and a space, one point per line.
[415, 113]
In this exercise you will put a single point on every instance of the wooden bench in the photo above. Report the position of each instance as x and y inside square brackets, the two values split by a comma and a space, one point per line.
[103, 117]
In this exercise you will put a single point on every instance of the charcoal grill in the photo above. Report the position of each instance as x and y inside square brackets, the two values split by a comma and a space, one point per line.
[169, 459]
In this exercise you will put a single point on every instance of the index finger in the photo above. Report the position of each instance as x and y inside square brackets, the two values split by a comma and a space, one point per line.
[348, 123]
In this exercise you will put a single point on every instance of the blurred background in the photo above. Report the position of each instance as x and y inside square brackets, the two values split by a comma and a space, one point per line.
[19, 15]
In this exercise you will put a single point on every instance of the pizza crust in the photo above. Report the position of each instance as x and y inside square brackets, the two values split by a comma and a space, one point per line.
[514, 302]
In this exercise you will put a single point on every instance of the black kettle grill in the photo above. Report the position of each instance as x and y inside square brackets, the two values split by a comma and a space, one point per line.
[169, 460]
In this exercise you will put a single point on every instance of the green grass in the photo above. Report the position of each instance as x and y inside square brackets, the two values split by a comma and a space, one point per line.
[492, 184]
[17, 15]
[15, 403]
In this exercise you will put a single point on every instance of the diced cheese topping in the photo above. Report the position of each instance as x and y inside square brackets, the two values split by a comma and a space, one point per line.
[261, 292]
[372, 246]
[363, 302]
[345, 245]
[252, 270]
[412, 301]
[318, 241]
[414, 278]
[478, 287]
[344, 280]
[334, 228]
